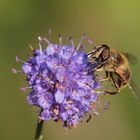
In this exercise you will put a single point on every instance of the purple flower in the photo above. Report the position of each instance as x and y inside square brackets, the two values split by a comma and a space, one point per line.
[61, 83]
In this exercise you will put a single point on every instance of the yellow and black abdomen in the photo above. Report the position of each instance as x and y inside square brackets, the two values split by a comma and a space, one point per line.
[118, 68]
[122, 71]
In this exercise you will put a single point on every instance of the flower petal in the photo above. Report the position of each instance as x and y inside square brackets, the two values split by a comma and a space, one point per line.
[59, 96]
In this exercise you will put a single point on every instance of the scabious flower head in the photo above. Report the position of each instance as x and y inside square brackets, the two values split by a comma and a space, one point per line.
[62, 82]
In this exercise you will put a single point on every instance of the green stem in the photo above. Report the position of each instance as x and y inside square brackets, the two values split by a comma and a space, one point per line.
[38, 134]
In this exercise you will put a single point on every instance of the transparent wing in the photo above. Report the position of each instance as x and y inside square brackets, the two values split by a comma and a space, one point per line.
[131, 58]
[135, 90]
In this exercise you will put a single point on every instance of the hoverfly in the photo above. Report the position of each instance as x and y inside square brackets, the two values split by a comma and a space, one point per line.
[115, 64]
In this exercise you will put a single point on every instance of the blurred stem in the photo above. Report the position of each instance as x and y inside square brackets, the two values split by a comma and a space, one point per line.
[39, 127]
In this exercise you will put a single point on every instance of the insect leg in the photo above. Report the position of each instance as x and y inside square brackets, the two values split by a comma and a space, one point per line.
[106, 78]
[114, 83]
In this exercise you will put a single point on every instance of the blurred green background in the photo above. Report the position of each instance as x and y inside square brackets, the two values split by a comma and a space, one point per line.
[116, 23]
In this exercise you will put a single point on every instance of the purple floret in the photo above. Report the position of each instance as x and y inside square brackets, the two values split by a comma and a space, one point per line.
[61, 84]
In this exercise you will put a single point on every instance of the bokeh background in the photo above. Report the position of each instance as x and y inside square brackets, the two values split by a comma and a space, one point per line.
[116, 23]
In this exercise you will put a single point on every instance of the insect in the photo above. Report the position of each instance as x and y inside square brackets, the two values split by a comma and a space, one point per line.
[115, 64]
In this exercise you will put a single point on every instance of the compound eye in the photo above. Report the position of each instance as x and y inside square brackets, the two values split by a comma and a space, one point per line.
[104, 54]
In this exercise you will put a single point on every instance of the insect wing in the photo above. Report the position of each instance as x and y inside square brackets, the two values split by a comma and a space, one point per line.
[131, 58]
